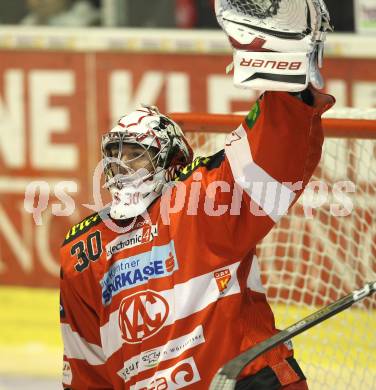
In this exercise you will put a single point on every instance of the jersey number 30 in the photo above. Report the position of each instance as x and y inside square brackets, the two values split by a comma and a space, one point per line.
[86, 252]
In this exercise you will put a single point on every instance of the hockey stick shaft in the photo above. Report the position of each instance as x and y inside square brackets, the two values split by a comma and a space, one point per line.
[226, 376]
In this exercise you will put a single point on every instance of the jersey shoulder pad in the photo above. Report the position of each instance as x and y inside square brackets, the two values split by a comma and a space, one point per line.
[209, 163]
[82, 227]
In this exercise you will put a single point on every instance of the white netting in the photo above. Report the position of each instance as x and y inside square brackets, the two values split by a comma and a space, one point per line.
[261, 9]
[277, 15]
[313, 257]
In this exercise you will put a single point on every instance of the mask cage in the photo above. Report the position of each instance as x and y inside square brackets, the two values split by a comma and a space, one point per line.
[118, 140]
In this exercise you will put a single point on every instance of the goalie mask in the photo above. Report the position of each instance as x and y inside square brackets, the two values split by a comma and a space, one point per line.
[142, 153]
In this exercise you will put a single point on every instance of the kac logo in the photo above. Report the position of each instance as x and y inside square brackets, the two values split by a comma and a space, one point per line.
[142, 315]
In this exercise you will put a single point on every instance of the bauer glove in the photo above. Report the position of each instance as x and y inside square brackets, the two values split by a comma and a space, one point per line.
[277, 44]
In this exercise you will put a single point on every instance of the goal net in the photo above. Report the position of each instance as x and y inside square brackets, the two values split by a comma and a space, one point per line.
[313, 257]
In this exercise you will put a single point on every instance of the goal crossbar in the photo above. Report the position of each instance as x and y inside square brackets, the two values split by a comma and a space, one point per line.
[220, 123]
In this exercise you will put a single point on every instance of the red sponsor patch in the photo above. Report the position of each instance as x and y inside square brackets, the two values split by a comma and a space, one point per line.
[222, 278]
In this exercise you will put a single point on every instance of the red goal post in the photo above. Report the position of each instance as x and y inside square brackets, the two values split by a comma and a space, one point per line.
[351, 126]
[313, 257]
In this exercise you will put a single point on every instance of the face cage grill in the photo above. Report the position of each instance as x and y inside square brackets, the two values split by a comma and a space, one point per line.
[260, 9]
[119, 139]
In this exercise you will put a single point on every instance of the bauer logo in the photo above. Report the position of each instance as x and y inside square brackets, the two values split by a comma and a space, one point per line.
[280, 65]
[132, 239]
[182, 374]
[134, 271]
[142, 315]
[171, 350]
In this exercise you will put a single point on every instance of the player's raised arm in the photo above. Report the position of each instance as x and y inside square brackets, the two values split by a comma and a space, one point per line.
[273, 153]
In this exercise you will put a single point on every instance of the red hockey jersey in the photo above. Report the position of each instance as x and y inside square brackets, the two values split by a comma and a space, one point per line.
[164, 305]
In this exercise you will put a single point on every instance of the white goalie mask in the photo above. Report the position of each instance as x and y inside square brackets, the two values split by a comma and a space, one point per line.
[141, 154]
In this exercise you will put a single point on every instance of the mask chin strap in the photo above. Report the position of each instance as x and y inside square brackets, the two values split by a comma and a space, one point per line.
[159, 187]
[160, 179]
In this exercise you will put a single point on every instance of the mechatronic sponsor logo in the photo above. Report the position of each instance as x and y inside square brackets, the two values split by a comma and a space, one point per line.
[136, 270]
[182, 374]
[151, 358]
[132, 239]
[142, 315]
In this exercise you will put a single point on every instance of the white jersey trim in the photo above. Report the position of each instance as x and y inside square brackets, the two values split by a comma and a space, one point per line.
[147, 360]
[254, 277]
[272, 196]
[76, 347]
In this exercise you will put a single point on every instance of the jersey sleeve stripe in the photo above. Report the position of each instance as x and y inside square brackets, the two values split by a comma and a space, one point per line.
[75, 347]
[254, 277]
[262, 188]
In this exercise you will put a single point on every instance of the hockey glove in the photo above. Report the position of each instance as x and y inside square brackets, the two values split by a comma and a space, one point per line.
[277, 44]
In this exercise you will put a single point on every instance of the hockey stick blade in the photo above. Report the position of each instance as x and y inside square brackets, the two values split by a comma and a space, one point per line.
[225, 379]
